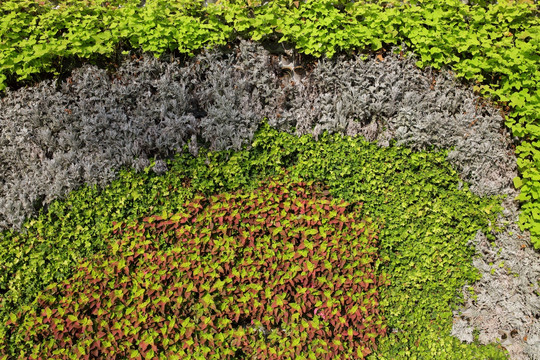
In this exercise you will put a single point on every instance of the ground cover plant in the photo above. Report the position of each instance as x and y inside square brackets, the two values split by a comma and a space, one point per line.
[291, 263]
[57, 137]
[426, 256]
[506, 29]
[495, 45]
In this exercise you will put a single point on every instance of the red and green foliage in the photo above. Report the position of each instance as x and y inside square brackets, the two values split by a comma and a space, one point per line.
[284, 271]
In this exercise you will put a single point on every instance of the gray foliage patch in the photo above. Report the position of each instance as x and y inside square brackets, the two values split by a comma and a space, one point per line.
[507, 304]
[53, 141]
[93, 125]
[233, 92]
[419, 109]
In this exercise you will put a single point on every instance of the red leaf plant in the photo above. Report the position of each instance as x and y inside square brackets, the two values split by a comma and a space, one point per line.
[281, 272]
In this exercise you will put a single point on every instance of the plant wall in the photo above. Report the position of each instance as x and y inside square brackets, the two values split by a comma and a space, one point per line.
[495, 45]
[282, 271]
[425, 222]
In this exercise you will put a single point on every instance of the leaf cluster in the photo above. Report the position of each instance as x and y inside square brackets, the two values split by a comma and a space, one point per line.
[494, 44]
[39, 38]
[286, 258]
[426, 220]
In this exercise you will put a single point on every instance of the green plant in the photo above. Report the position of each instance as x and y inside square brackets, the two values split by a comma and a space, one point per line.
[427, 223]
[494, 45]
[182, 284]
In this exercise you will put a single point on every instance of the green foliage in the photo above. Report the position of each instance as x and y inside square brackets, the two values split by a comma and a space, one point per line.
[284, 257]
[36, 38]
[496, 45]
[76, 228]
[425, 223]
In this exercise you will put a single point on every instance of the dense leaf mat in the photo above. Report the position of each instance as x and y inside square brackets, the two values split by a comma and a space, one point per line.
[283, 271]
[425, 214]
[495, 44]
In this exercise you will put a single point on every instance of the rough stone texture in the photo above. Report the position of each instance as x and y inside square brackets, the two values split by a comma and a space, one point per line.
[52, 141]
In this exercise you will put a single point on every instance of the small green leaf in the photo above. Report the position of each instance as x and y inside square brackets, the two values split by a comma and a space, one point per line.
[518, 182]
